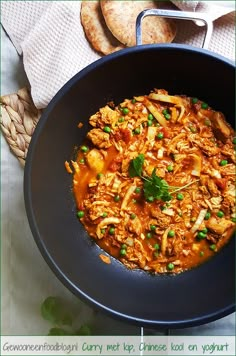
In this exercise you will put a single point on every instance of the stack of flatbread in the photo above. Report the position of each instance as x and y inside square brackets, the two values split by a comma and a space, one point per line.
[109, 25]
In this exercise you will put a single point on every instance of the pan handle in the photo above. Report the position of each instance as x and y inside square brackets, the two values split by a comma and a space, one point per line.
[186, 15]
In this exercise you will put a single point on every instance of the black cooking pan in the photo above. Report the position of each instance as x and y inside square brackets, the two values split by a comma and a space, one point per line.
[198, 296]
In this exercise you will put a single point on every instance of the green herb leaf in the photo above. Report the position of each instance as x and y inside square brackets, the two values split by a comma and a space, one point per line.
[84, 330]
[57, 332]
[54, 310]
[166, 196]
[156, 187]
[136, 166]
[50, 309]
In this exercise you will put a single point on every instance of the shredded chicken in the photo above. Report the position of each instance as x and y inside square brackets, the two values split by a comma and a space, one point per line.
[219, 226]
[105, 116]
[221, 129]
[68, 168]
[99, 138]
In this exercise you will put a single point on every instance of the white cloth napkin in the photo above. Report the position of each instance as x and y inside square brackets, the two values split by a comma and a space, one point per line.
[51, 39]
[214, 9]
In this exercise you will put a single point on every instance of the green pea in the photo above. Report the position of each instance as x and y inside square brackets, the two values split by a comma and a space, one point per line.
[201, 253]
[99, 175]
[204, 106]
[160, 135]
[137, 131]
[137, 190]
[170, 266]
[157, 247]
[123, 252]
[84, 149]
[234, 141]
[205, 230]
[121, 119]
[132, 216]
[133, 101]
[116, 198]
[233, 220]
[207, 122]
[170, 168]
[213, 247]
[107, 129]
[167, 116]
[80, 214]
[224, 162]
[149, 123]
[180, 196]
[152, 227]
[220, 214]
[165, 111]
[149, 235]
[103, 231]
[150, 117]
[104, 215]
[150, 199]
[207, 216]
[125, 111]
[124, 246]
[193, 129]
[111, 230]
[194, 100]
[201, 235]
[82, 161]
[171, 233]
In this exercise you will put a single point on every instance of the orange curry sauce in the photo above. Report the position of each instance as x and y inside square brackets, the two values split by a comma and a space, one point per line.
[189, 147]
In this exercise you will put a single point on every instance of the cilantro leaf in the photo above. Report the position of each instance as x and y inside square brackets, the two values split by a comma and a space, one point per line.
[156, 187]
[84, 330]
[166, 196]
[57, 332]
[54, 310]
[50, 309]
[136, 166]
[63, 317]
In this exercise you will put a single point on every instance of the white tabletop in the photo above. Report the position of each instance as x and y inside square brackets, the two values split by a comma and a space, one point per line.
[26, 278]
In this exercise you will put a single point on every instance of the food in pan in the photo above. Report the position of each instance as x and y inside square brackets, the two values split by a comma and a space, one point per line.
[154, 181]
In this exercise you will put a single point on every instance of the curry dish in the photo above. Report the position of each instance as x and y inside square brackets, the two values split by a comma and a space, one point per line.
[154, 181]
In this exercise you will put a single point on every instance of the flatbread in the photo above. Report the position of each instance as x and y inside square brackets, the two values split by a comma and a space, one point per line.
[96, 31]
[120, 17]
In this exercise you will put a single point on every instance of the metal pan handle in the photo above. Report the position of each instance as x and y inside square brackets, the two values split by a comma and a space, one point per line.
[176, 15]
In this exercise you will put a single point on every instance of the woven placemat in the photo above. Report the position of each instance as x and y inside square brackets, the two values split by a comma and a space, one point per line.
[19, 117]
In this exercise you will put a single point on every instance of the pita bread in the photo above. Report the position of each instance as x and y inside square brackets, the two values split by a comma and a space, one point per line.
[96, 31]
[120, 17]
